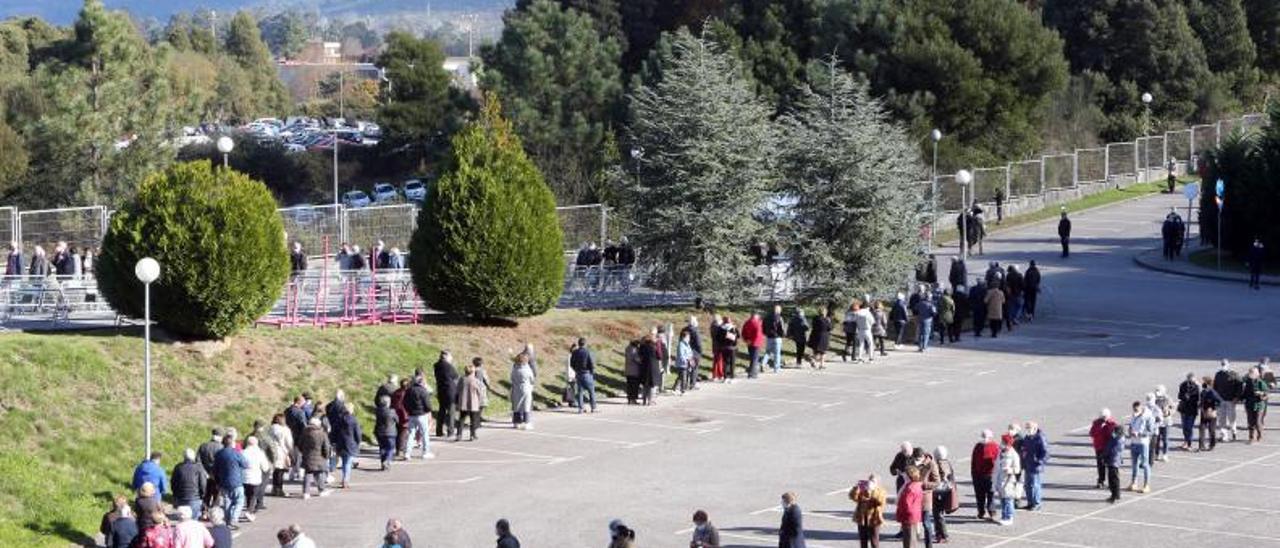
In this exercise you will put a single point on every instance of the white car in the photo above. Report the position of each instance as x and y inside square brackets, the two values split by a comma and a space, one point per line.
[384, 193]
[415, 190]
[355, 198]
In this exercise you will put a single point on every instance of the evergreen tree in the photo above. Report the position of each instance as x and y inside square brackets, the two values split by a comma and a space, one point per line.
[488, 242]
[13, 159]
[605, 15]
[560, 84]
[422, 110]
[852, 177]
[776, 41]
[111, 107]
[1264, 28]
[705, 171]
[244, 44]
[284, 33]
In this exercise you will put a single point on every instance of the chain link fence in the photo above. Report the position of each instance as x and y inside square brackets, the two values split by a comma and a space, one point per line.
[393, 224]
[80, 227]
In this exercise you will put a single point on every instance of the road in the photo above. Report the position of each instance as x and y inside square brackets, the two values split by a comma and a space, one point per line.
[1108, 332]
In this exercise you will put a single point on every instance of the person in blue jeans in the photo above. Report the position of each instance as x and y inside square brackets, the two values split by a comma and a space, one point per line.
[1141, 427]
[1007, 470]
[229, 466]
[1189, 408]
[1035, 454]
[774, 331]
[925, 311]
[583, 365]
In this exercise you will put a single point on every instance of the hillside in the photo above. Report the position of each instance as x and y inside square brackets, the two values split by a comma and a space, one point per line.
[71, 403]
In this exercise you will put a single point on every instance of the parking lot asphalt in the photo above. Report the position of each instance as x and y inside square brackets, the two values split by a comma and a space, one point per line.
[1107, 333]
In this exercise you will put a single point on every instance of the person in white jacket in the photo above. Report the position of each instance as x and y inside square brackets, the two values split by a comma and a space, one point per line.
[1007, 470]
[259, 464]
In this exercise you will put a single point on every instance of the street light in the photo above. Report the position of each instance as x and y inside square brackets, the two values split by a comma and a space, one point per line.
[225, 146]
[1146, 136]
[147, 270]
[963, 178]
[637, 154]
[935, 135]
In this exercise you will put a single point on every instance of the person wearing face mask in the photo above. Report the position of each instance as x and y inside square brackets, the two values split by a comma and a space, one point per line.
[791, 533]
[705, 535]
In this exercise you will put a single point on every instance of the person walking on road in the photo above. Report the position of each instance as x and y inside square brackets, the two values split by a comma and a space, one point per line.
[1226, 382]
[189, 481]
[314, 448]
[1008, 468]
[978, 307]
[925, 312]
[774, 330]
[1100, 435]
[417, 404]
[470, 401]
[798, 331]
[649, 368]
[910, 507]
[1255, 403]
[684, 359]
[944, 494]
[1141, 426]
[1031, 290]
[345, 434]
[753, 336]
[1257, 255]
[982, 466]
[994, 302]
[505, 539]
[1112, 454]
[1210, 401]
[901, 461]
[385, 426]
[863, 322]
[695, 342]
[584, 374]
[1034, 455]
[1188, 408]
[1064, 234]
[930, 478]
[959, 275]
[149, 471]
[446, 386]
[791, 532]
[522, 382]
[820, 339]
[705, 535]
[880, 329]
[229, 466]
[631, 370]
[898, 315]
[728, 347]
[1164, 410]
[869, 500]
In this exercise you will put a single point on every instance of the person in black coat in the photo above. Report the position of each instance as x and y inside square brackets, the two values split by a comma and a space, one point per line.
[791, 532]
[1030, 290]
[1188, 408]
[820, 339]
[1064, 234]
[13, 262]
[385, 428]
[1257, 254]
[959, 274]
[505, 538]
[695, 344]
[345, 436]
[188, 482]
[650, 372]
[297, 259]
[978, 307]
[898, 317]
[446, 392]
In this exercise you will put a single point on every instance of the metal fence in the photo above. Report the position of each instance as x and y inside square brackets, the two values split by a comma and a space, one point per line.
[1040, 181]
[80, 227]
[392, 224]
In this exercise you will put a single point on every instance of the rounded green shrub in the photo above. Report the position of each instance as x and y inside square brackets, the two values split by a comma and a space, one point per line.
[488, 242]
[220, 244]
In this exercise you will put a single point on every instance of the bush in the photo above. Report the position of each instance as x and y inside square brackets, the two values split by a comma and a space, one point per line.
[488, 242]
[220, 244]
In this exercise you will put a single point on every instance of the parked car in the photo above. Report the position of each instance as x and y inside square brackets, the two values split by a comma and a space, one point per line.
[355, 198]
[384, 193]
[302, 214]
[415, 190]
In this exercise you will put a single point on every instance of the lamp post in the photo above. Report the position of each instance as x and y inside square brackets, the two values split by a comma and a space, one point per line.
[225, 146]
[1146, 136]
[935, 135]
[963, 178]
[147, 270]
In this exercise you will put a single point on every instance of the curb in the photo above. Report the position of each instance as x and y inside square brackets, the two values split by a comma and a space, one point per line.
[1144, 260]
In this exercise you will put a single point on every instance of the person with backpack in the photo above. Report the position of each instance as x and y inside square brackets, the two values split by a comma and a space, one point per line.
[1226, 382]
[1188, 408]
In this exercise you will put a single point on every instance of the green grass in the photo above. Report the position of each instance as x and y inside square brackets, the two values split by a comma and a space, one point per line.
[1208, 258]
[70, 404]
[948, 234]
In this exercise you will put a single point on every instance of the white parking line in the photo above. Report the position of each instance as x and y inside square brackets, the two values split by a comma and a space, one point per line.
[761, 418]
[822, 388]
[1092, 517]
[1221, 506]
[1220, 482]
[696, 430]
[1202, 479]
[423, 482]
[952, 529]
[579, 438]
[502, 452]
[764, 399]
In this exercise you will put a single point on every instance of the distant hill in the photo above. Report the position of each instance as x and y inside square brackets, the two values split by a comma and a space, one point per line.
[64, 11]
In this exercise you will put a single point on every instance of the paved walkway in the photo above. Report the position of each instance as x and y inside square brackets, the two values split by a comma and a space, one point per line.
[1154, 260]
[1107, 333]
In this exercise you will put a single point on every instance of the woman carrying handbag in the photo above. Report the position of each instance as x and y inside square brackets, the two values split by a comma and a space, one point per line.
[947, 498]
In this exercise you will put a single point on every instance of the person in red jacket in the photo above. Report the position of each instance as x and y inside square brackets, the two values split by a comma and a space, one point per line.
[982, 467]
[753, 336]
[1100, 434]
[910, 504]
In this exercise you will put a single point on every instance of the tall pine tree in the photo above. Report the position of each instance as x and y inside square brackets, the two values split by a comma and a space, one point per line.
[855, 206]
[244, 44]
[560, 85]
[704, 172]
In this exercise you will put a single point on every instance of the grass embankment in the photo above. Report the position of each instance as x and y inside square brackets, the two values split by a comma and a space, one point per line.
[1208, 258]
[948, 235]
[71, 410]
